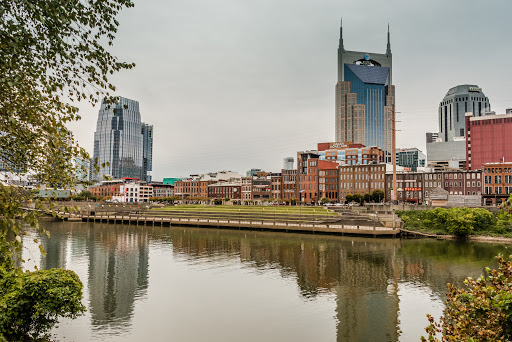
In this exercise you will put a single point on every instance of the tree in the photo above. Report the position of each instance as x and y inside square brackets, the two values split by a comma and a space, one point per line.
[349, 198]
[324, 200]
[377, 196]
[52, 55]
[482, 311]
[357, 198]
[367, 198]
[35, 307]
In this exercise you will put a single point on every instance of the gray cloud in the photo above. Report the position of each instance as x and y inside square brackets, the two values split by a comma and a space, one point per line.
[239, 84]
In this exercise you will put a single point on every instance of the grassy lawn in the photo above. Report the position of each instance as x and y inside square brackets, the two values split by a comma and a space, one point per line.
[292, 210]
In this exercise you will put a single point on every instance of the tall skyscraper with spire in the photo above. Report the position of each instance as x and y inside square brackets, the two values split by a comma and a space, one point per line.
[365, 97]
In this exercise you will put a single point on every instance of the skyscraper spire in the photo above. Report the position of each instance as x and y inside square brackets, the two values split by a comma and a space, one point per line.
[388, 50]
[341, 36]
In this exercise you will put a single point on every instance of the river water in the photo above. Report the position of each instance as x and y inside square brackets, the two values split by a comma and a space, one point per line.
[197, 284]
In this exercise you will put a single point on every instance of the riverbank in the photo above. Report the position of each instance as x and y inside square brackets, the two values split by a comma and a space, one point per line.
[471, 238]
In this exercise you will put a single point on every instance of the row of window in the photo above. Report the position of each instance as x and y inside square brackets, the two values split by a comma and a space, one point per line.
[497, 169]
[363, 185]
[498, 179]
[362, 176]
[498, 190]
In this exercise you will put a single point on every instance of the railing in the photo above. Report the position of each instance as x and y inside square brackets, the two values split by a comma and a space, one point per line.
[237, 223]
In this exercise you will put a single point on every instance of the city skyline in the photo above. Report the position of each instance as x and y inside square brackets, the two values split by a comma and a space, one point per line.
[225, 99]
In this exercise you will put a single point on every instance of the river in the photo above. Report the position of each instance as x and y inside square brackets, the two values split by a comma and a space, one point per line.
[196, 284]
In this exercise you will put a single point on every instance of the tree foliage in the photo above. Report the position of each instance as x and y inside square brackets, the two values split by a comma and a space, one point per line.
[457, 221]
[52, 55]
[481, 311]
[32, 303]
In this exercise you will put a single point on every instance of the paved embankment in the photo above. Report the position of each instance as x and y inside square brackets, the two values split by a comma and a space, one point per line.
[242, 223]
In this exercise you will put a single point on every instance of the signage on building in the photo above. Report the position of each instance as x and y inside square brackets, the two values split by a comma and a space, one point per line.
[366, 60]
[412, 189]
[475, 89]
[335, 145]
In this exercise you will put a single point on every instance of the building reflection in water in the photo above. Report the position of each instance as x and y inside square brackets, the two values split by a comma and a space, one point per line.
[362, 274]
[118, 267]
[118, 274]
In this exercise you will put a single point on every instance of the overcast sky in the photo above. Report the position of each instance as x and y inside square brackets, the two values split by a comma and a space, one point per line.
[239, 84]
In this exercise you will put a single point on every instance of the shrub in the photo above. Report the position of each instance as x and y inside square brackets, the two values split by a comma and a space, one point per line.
[482, 311]
[32, 302]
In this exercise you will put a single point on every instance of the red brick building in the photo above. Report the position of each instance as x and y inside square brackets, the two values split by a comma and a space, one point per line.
[307, 176]
[225, 190]
[192, 188]
[328, 180]
[489, 139]
[361, 179]
[107, 189]
[497, 182]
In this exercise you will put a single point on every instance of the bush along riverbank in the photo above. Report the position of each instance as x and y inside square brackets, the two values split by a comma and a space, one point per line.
[460, 222]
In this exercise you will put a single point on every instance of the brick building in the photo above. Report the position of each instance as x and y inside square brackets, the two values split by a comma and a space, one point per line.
[307, 176]
[261, 185]
[107, 188]
[410, 187]
[361, 179]
[497, 182]
[225, 190]
[350, 154]
[162, 190]
[462, 182]
[192, 188]
[289, 184]
[489, 139]
[415, 187]
[276, 185]
[328, 180]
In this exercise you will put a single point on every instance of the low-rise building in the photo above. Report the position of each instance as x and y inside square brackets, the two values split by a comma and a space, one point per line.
[134, 192]
[307, 176]
[162, 190]
[497, 182]
[361, 179]
[463, 188]
[276, 179]
[409, 187]
[107, 188]
[261, 186]
[289, 184]
[223, 190]
[328, 180]
[247, 189]
[196, 187]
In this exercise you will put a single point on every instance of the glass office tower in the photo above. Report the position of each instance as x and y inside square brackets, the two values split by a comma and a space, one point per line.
[119, 141]
[147, 150]
[365, 98]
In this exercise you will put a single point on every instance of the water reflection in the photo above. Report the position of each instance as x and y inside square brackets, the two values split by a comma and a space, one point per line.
[118, 266]
[369, 281]
[118, 274]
